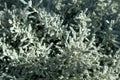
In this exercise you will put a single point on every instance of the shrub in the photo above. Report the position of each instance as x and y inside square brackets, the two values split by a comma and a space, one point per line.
[59, 40]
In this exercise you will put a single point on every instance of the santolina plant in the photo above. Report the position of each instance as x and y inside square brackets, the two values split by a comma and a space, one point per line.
[59, 40]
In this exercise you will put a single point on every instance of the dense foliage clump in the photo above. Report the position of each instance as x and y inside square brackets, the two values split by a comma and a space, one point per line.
[59, 40]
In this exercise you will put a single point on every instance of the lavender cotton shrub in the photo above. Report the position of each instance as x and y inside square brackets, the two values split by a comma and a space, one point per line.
[59, 40]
